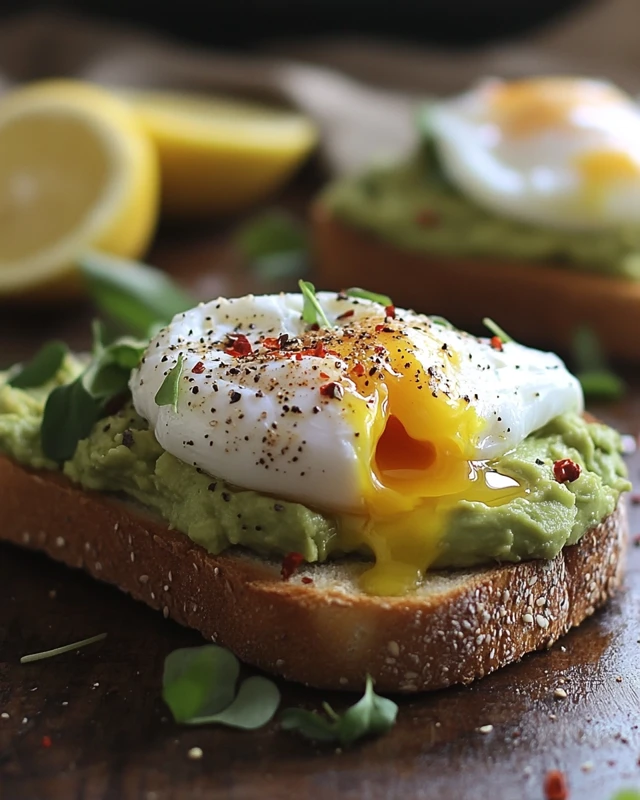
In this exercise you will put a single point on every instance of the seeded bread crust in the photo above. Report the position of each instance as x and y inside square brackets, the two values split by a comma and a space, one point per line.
[459, 626]
[540, 304]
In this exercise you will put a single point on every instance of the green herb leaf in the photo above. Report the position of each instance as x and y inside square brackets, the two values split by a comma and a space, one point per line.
[370, 716]
[429, 149]
[42, 367]
[69, 414]
[108, 373]
[67, 648]
[496, 330]
[71, 410]
[275, 245]
[199, 681]
[270, 234]
[312, 312]
[167, 394]
[365, 295]
[199, 686]
[135, 295]
[257, 701]
[602, 384]
[627, 794]
[591, 367]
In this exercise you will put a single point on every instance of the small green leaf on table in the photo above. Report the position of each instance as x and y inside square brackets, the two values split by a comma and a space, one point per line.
[199, 686]
[199, 681]
[372, 715]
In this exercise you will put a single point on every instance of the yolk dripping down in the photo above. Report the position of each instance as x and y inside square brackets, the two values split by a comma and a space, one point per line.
[415, 446]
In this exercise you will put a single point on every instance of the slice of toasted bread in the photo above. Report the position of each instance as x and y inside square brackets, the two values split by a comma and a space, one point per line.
[460, 625]
[537, 304]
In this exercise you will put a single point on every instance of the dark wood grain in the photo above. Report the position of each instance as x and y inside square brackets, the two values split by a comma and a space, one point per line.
[110, 733]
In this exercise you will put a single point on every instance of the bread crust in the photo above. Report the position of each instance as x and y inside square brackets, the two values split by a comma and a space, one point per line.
[460, 626]
[539, 304]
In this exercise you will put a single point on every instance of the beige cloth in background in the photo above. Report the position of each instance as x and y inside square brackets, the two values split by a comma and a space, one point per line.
[338, 81]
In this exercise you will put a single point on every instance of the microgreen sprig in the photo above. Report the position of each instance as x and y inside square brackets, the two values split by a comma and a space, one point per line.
[199, 686]
[496, 330]
[364, 294]
[67, 648]
[312, 311]
[370, 716]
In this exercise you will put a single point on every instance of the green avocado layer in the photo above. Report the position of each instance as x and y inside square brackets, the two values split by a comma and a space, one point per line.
[411, 205]
[122, 455]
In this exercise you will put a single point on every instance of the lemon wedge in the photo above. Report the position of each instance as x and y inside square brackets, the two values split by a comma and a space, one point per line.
[76, 172]
[219, 156]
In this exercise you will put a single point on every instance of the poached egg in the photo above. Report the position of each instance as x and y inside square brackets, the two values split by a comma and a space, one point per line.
[560, 152]
[383, 421]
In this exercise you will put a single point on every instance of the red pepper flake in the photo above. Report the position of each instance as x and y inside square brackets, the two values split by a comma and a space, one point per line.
[635, 499]
[566, 471]
[324, 376]
[496, 343]
[358, 369]
[555, 786]
[290, 564]
[333, 390]
[346, 314]
[390, 312]
[636, 541]
[306, 579]
[379, 328]
[427, 218]
[319, 351]
[240, 346]
[199, 368]
[270, 343]
[46, 741]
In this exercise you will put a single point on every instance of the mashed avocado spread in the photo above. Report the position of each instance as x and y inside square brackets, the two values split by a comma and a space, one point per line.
[121, 455]
[413, 206]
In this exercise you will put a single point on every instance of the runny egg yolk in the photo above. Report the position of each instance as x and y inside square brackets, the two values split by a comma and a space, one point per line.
[415, 445]
[528, 107]
[600, 169]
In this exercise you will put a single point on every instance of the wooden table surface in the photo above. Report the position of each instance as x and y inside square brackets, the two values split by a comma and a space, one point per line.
[110, 732]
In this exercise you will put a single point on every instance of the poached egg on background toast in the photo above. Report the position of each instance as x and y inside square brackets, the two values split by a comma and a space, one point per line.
[558, 152]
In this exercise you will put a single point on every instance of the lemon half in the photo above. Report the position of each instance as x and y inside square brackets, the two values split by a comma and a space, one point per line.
[76, 171]
[220, 156]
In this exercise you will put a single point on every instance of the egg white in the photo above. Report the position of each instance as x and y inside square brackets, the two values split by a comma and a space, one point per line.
[262, 423]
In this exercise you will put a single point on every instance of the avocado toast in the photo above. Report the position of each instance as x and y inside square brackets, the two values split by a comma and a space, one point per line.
[416, 586]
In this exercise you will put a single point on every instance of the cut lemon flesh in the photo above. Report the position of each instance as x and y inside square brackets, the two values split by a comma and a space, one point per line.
[76, 172]
[220, 156]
